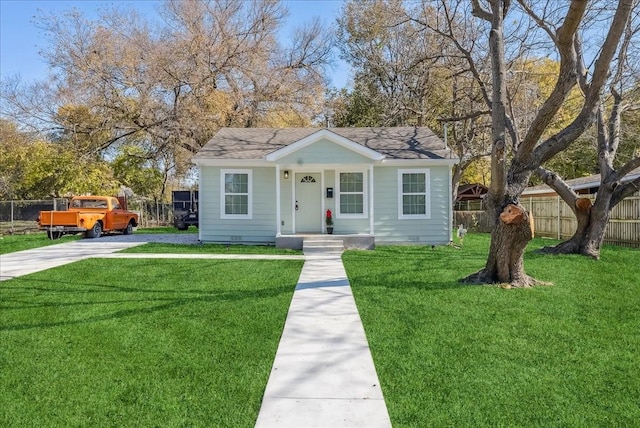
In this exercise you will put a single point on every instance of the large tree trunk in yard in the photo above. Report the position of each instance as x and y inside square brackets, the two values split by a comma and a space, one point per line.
[592, 225]
[512, 229]
[592, 243]
[509, 239]
[582, 210]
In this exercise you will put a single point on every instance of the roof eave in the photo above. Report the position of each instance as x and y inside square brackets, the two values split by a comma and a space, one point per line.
[231, 162]
[400, 162]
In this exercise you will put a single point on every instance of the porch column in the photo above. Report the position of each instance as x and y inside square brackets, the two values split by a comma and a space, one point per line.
[371, 231]
[278, 221]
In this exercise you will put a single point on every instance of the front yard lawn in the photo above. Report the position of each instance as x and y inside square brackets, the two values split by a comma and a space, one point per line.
[159, 247]
[139, 342]
[447, 354]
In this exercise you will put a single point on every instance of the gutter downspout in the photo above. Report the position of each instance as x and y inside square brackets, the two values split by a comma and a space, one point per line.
[201, 193]
[371, 201]
[278, 214]
[451, 211]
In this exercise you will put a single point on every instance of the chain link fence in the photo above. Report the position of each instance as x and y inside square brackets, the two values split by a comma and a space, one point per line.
[20, 217]
[152, 213]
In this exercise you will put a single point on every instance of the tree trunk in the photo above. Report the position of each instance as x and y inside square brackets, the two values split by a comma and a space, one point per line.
[592, 225]
[509, 239]
[512, 228]
[582, 210]
[592, 243]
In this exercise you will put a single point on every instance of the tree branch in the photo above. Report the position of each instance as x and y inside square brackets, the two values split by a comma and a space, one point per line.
[552, 180]
[624, 190]
[479, 12]
[628, 168]
[561, 140]
[538, 20]
[566, 80]
[472, 115]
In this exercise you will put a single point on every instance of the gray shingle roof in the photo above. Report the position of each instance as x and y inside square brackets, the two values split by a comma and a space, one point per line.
[256, 143]
[591, 181]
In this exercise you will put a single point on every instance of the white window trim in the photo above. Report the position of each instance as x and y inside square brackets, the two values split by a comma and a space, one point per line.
[223, 214]
[365, 194]
[427, 199]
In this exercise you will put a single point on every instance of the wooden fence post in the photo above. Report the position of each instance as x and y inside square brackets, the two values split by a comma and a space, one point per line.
[559, 221]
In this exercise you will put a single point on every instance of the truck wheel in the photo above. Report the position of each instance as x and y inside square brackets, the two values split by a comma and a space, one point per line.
[95, 231]
[180, 225]
[128, 230]
[53, 234]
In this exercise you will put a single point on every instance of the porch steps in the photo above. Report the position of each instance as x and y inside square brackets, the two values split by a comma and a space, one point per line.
[322, 245]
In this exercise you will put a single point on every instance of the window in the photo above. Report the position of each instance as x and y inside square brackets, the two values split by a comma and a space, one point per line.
[235, 193]
[413, 194]
[351, 194]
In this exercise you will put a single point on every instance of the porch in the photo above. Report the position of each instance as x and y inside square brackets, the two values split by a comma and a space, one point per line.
[321, 241]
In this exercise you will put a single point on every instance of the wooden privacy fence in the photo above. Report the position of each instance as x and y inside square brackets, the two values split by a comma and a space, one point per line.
[554, 219]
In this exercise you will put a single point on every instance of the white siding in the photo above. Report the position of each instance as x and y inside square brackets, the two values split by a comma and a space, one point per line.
[260, 228]
[390, 229]
[324, 152]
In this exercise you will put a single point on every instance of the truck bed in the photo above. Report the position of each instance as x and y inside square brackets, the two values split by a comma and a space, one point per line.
[59, 218]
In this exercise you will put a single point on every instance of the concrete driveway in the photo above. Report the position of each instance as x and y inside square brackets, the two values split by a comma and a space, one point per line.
[37, 259]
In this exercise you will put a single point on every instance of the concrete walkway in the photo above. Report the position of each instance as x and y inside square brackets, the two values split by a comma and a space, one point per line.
[323, 374]
[29, 261]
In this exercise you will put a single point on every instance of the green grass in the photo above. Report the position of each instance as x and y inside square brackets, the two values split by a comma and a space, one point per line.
[141, 342]
[447, 354]
[158, 247]
[12, 243]
[166, 229]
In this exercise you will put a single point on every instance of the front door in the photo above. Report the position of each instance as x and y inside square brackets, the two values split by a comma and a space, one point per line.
[308, 203]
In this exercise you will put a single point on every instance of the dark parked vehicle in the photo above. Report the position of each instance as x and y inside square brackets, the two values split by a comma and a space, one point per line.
[185, 209]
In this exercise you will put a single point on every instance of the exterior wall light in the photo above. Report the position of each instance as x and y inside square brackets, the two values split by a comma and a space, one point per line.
[286, 174]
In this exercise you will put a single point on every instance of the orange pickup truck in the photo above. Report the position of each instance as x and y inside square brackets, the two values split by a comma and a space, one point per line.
[91, 215]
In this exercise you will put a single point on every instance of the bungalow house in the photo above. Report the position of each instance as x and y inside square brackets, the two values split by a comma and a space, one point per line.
[382, 185]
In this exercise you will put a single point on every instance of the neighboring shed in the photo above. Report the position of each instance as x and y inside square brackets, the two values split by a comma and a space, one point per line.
[260, 185]
[470, 197]
[471, 192]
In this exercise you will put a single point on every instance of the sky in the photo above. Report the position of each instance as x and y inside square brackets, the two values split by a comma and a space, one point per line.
[21, 40]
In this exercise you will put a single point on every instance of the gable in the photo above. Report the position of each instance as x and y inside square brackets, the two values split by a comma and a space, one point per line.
[328, 146]
[323, 151]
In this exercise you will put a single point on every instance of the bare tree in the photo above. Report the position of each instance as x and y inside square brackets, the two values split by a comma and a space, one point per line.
[462, 54]
[592, 219]
[510, 175]
[169, 87]
[396, 61]
[406, 73]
